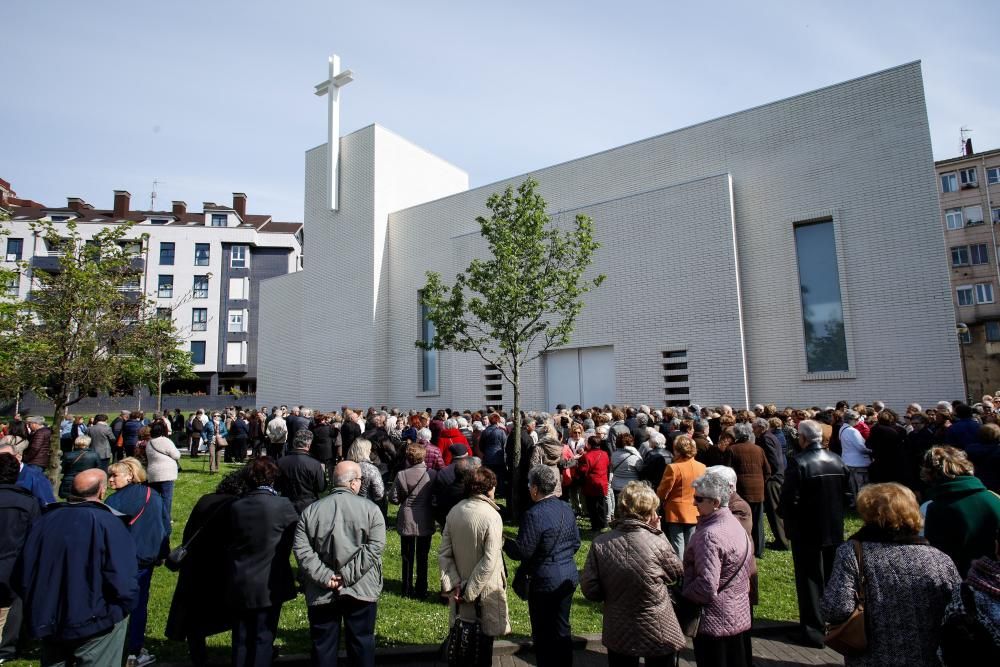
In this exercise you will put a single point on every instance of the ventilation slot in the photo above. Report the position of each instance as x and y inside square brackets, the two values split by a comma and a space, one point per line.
[676, 383]
[493, 387]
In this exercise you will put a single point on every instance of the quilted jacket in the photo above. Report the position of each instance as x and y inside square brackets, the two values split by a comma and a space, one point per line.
[629, 569]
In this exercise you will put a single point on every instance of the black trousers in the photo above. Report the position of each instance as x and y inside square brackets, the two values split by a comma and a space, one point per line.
[772, 494]
[550, 631]
[195, 444]
[415, 549]
[813, 567]
[720, 651]
[757, 513]
[254, 631]
[11, 630]
[597, 510]
[622, 660]
[358, 619]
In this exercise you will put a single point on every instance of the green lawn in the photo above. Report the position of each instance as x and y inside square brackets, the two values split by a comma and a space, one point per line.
[405, 621]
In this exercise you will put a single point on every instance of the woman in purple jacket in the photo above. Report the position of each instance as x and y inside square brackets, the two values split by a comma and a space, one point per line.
[718, 564]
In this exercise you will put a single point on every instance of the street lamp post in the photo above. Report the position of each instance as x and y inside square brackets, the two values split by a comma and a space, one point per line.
[962, 329]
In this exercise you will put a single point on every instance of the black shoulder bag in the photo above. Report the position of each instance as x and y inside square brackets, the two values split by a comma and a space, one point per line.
[174, 559]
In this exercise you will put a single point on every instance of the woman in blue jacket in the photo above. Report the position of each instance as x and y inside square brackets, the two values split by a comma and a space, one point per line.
[143, 510]
[215, 434]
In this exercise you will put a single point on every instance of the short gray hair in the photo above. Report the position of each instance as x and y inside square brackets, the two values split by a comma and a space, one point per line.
[451, 423]
[811, 430]
[724, 471]
[642, 419]
[657, 440]
[743, 432]
[543, 478]
[713, 485]
[760, 422]
[303, 438]
[851, 416]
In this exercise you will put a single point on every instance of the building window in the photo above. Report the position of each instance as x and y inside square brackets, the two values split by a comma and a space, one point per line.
[200, 290]
[973, 215]
[984, 293]
[968, 177]
[201, 254]
[13, 286]
[236, 353]
[237, 321]
[822, 307]
[158, 221]
[953, 216]
[960, 256]
[239, 257]
[993, 175]
[166, 287]
[965, 337]
[239, 288]
[996, 215]
[131, 248]
[949, 182]
[428, 358]
[197, 352]
[166, 253]
[58, 218]
[199, 319]
[164, 314]
[15, 248]
[965, 296]
[993, 331]
[219, 219]
[979, 253]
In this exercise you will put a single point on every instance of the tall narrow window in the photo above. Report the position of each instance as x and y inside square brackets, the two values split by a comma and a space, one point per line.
[201, 254]
[165, 289]
[822, 308]
[166, 253]
[953, 216]
[197, 352]
[428, 358]
[239, 257]
[949, 182]
[199, 319]
[15, 248]
[200, 290]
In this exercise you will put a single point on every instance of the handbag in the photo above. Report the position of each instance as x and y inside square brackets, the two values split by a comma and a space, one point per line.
[177, 555]
[466, 644]
[221, 442]
[850, 637]
[688, 612]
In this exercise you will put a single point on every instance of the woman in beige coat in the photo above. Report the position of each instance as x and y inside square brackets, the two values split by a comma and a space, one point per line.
[471, 560]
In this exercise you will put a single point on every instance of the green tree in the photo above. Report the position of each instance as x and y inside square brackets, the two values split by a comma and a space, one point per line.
[84, 309]
[14, 345]
[156, 357]
[521, 301]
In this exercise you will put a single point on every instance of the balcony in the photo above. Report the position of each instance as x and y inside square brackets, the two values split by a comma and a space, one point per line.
[47, 263]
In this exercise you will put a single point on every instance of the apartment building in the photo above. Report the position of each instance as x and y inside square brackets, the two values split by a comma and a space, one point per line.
[201, 268]
[969, 188]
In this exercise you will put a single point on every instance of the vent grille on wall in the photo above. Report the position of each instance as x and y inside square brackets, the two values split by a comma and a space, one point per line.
[676, 383]
[493, 387]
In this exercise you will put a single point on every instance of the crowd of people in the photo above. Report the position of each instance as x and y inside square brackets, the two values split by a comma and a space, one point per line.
[685, 492]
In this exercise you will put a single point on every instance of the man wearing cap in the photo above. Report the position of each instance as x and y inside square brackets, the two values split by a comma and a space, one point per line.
[448, 487]
[39, 444]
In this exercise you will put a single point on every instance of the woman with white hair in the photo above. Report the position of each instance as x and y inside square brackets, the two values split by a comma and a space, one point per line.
[718, 565]
[372, 486]
[451, 435]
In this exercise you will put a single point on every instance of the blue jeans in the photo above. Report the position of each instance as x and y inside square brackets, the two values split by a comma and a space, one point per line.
[137, 619]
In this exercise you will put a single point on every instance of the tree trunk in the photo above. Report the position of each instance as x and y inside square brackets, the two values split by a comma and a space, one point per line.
[55, 444]
[159, 389]
[516, 485]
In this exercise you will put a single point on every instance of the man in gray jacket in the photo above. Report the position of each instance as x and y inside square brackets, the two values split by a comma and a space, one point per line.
[101, 438]
[338, 544]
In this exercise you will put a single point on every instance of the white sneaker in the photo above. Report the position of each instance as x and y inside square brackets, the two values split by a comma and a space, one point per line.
[145, 658]
[130, 661]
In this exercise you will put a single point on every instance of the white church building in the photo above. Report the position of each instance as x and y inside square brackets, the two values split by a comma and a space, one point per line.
[790, 253]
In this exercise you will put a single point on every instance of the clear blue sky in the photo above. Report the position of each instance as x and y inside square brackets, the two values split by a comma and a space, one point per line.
[216, 96]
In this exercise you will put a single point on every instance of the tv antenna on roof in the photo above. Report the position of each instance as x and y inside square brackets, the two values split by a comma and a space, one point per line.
[964, 146]
[152, 195]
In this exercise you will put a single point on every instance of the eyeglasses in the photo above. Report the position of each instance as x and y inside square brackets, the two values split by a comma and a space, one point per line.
[701, 499]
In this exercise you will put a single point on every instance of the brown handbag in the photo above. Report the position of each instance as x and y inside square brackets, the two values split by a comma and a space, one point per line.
[850, 638]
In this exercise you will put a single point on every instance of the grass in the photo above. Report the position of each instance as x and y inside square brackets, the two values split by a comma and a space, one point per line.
[402, 620]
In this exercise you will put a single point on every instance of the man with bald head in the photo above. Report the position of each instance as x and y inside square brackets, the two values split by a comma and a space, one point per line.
[338, 544]
[77, 577]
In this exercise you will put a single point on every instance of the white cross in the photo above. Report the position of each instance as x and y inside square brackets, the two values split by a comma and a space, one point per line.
[331, 88]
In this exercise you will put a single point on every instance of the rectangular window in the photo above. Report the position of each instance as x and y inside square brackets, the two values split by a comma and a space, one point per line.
[158, 221]
[236, 353]
[165, 290]
[200, 287]
[822, 307]
[996, 215]
[428, 358]
[237, 321]
[131, 248]
[979, 254]
[239, 288]
[13, 286]
[960, 256]
[201, 254]
[968, 177]
[993, 331]
[15, 249]
[965, 337]
[984, 293]
[973, 215]
[58, 218]
[993, 175]
[164, 314]
[239, 257]
[965, 296]
[953, 216]
[197, 352]
[219, 219]
[199, 319]
[166, 253]
[949, 182]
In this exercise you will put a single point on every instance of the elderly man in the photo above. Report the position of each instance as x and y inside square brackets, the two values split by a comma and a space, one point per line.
[769, 436]
[77, 577]
[277, 434]
[29, 477]
[18, 510]
[752, 471]
[302, 477]
[39, 446]
[813, 497]
[338, 544]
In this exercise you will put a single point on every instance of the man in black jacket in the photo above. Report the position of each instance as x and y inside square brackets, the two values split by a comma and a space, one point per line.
[449, 484]
[813, 497]
[18, 510]
[302, 477]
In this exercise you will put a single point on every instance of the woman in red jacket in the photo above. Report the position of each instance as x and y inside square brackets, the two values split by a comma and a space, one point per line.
[450, 435]
[592, 469]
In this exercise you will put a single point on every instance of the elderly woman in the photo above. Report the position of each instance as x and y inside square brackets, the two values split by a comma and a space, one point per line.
[143, 510]
[718, 565]
[372, 486]
[752, 469]
[215, 434]
[473, 575]
[626, 462]
[81, 458]
[162, 455]
[592, 474]
[677, 493]
[546, 543]
[975, 602]
[451, 435]
[415, 519]
[639, 619]
[962, 516]
[907, 582]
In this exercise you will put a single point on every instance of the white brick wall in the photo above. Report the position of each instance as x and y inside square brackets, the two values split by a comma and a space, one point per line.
[857, 151]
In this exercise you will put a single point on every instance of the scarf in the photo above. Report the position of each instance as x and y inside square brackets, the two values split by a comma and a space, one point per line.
[984, 576]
